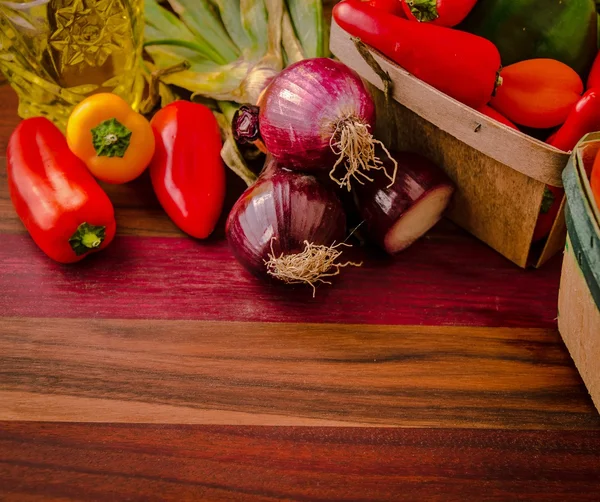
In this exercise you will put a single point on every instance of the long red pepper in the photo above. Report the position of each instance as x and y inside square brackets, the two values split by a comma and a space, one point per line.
[441, 12]
[391, 6]
[462, 65]
[187, 172]
[593, 80]
[60, 203]
[583, 119]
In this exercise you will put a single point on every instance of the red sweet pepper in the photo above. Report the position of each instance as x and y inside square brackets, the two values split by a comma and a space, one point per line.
[583, 119]
[548, 213]
[462, 65]
[538, 93]
[187, 172]
[391, 6]
[595, 181]
[593, 81]
[497, 116]
[60, 203]
[441, 12]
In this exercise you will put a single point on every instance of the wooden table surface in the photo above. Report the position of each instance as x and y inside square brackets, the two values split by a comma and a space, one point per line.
[159, 369]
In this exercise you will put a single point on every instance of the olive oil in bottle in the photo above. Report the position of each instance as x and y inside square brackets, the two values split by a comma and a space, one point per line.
[55, 53]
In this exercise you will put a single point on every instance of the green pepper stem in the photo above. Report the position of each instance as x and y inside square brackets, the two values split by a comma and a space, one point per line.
[423, 10]
[111, 138]
[86, 238]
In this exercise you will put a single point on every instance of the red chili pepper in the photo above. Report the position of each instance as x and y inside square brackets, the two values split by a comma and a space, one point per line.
[550, 206]
[462, 65]
[391, 6]
[441, 12]
[60, 203]
[595, 180]
[490, 112]
[593, 80]
[187, 172]
[583, 119]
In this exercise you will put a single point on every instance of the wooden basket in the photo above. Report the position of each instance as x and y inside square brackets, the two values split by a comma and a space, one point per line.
[579, 297]
[500, 172]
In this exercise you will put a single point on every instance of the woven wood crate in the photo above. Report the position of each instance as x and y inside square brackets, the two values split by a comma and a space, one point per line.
[579, 297]
[500, 173]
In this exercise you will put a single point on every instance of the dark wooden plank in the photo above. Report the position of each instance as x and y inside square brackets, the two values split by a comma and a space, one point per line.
[40, 461]
[438, 281]
[289, 374]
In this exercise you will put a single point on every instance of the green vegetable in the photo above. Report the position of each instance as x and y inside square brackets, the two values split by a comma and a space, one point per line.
[231, 50]
[524, 29]
[234, 47]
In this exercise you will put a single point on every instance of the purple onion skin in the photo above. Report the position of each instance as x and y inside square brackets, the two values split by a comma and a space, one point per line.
[301, 107]
[289, 206]
[381, 207]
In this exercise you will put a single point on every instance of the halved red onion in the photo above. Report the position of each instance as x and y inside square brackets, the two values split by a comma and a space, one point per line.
[398, 215]
[315, 114]
[287, 226]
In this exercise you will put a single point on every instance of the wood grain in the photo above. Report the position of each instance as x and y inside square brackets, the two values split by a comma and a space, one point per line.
[579, 323]
[257, 373]
[165, 329]
[441, 280]
[150, 463]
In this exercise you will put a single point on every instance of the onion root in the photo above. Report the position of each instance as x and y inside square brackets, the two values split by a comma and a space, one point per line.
[311, 266]
[354, 145]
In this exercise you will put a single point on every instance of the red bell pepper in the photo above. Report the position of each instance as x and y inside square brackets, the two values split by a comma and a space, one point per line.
[187, 172]
[593, 80]
[60, 203]
[490, 112]
[391, 6]
[462, 65]
[584, 118]
[441, 12]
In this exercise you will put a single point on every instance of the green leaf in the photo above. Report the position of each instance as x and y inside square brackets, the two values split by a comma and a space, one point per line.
[255, 22]
[164, 23]
[222, 83]
[232, 20]
[204, 22]
[307, 18]
[291, 44]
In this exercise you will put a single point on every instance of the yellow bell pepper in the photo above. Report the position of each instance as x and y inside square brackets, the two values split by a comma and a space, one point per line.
[115, 142]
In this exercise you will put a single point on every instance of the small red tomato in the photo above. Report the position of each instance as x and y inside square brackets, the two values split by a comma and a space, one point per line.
[187, 172]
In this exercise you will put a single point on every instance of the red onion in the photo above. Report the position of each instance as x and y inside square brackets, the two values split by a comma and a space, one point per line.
[395, 216]
[286, 227]
[315, 114]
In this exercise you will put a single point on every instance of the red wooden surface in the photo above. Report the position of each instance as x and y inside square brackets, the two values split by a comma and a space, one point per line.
[435, 375]
[139, 462]
[439, 281]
